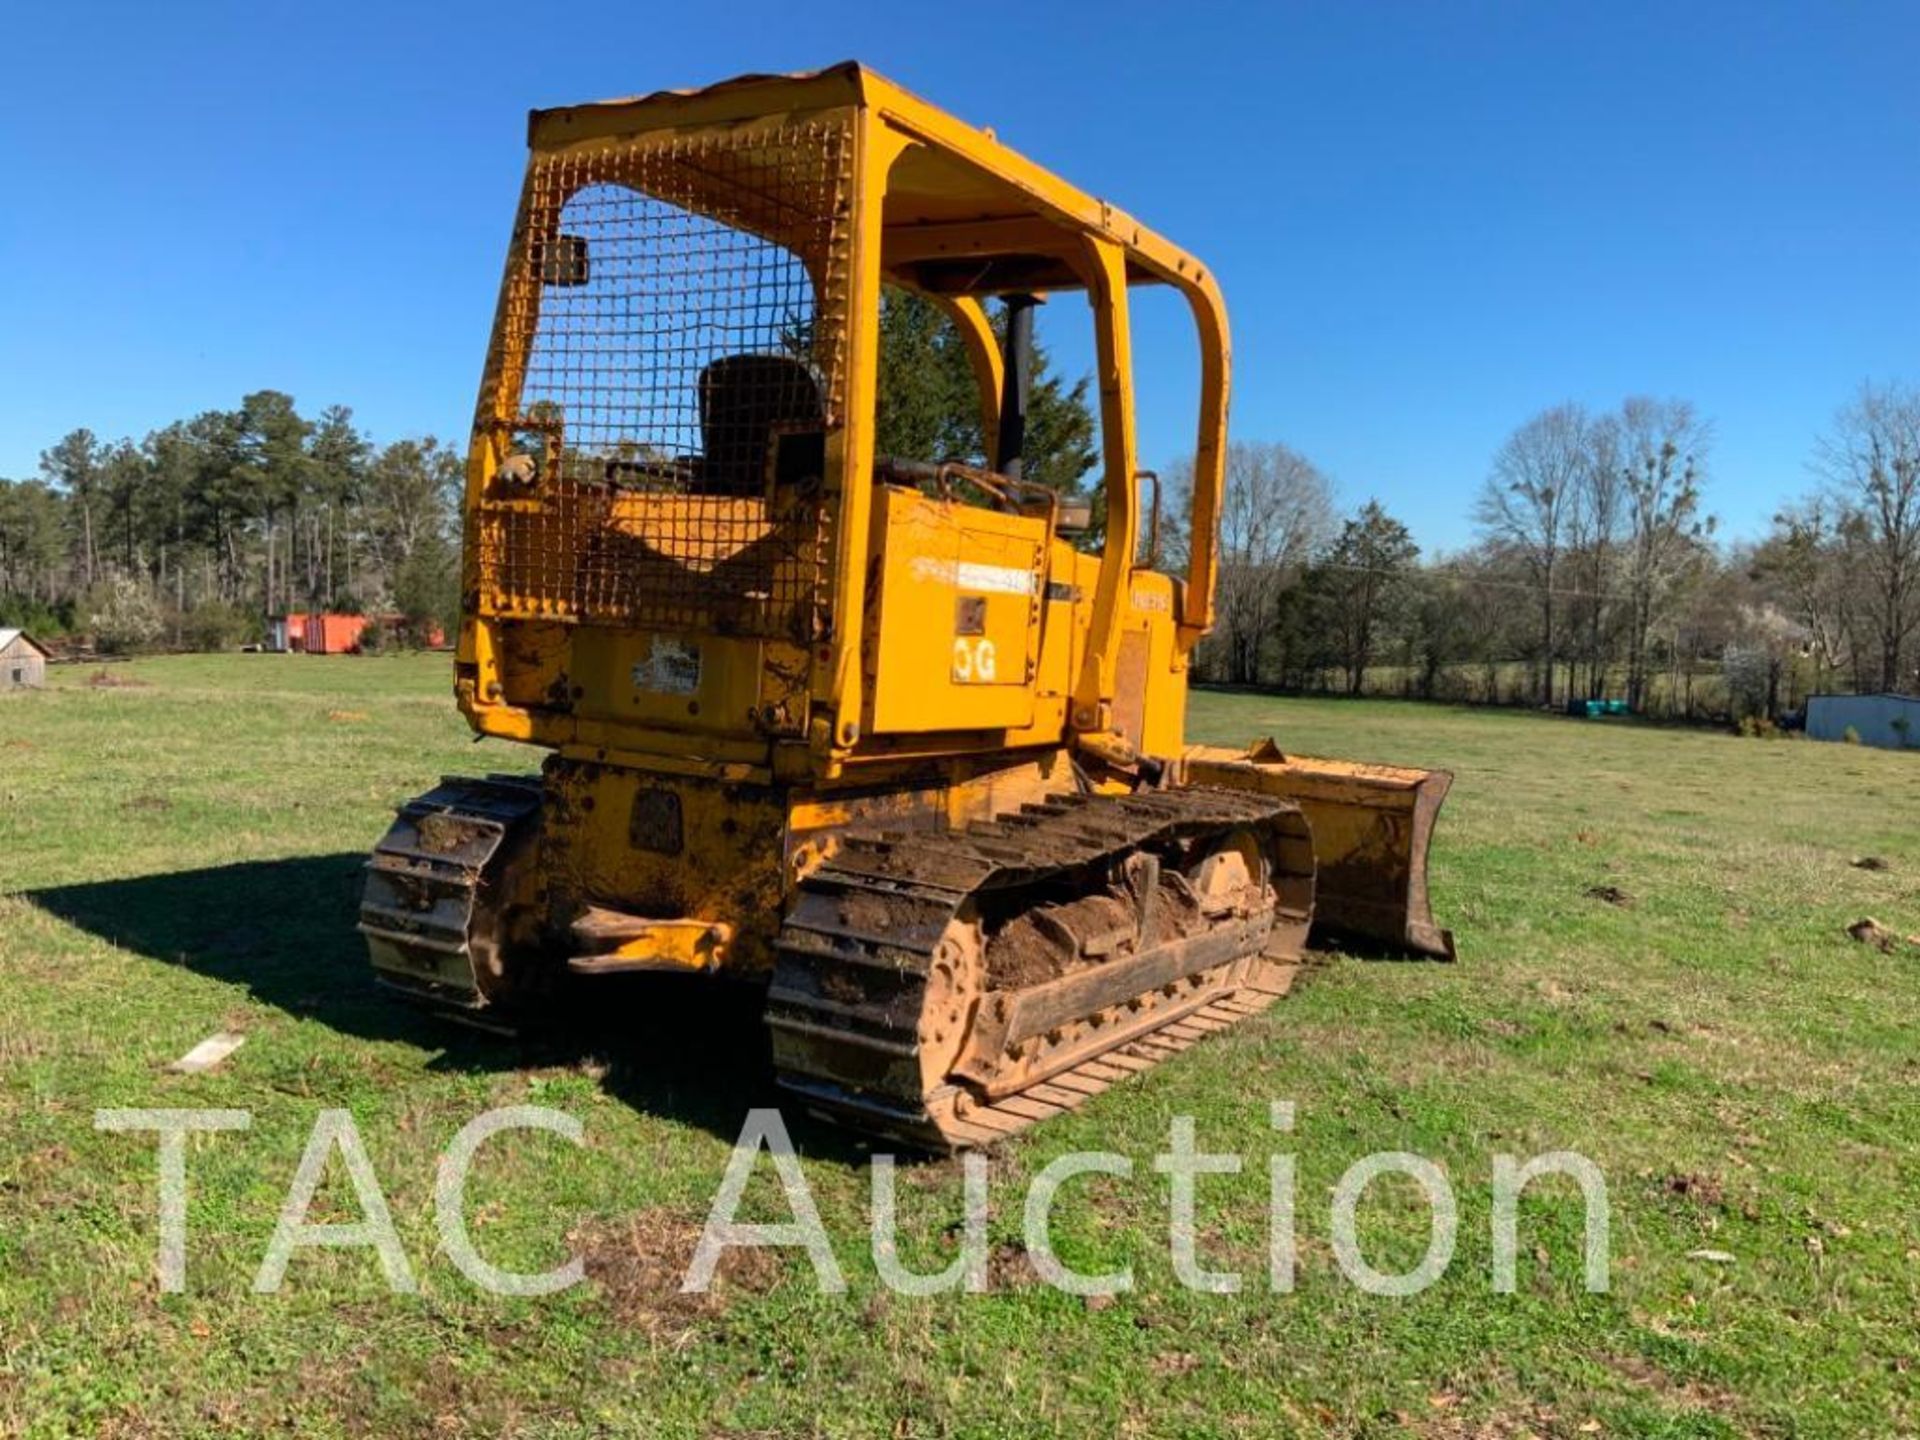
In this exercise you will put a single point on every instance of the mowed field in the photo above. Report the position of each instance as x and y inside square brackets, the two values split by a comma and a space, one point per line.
[179, 855]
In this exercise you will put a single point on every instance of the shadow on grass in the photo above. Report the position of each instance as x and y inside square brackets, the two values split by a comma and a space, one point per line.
[689, 1049]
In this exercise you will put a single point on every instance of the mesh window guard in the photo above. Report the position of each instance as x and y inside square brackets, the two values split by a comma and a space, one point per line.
[674, 328]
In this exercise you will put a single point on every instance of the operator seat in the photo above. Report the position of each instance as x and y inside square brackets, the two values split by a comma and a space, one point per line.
[757, 407]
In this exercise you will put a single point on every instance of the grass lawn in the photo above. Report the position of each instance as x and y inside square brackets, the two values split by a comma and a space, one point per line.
[179, 855]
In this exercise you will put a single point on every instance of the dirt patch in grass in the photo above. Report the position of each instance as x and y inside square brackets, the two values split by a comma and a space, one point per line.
[1009, 1268]
[107, 680]
[346, 717]
[358, 1384]
[1174, 1362]
[639, 1262]
[1691, 1394]
[1524, 1422]
[1869, 931]
[1703, 1190]
[1611, 895]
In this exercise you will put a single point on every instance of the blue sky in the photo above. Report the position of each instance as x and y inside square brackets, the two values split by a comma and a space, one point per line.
[1430, 220]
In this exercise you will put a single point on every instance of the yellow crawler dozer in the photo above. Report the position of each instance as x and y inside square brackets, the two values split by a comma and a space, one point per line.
[872, 731]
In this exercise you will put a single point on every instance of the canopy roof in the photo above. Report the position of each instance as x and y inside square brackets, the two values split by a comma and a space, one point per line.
[962, 213]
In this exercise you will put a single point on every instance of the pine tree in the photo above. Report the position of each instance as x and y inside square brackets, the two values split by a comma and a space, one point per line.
[929, 403]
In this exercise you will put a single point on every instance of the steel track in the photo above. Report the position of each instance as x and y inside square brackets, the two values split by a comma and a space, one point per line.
[850, 981]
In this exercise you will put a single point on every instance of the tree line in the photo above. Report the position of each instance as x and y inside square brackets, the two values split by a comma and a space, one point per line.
[1595, 573]
[195, 534]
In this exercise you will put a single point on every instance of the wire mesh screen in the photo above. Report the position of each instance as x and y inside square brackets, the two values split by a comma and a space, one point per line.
[671, 348]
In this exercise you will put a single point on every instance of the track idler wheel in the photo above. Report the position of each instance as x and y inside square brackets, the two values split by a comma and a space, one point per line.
[956, 979]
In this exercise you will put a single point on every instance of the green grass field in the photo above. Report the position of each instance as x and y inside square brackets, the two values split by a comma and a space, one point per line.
[179, 855]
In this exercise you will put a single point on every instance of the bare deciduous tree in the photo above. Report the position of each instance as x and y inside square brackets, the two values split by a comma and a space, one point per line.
[1663, 446]
[1278, 508]
[1805, 559]
[1872, 458]
[1526, 503]
[1594, 524]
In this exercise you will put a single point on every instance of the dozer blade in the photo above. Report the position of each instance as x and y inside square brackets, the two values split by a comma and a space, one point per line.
[951, 989]
[1371, 828]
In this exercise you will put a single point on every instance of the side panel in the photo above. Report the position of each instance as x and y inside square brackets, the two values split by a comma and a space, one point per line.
[695, 683]
[1150, 672]
[954, 628]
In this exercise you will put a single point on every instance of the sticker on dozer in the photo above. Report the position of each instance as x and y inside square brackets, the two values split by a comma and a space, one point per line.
[970, 575]
[973, 661]
[672, 668]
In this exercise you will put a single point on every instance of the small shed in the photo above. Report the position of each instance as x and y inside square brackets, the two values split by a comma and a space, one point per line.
[286, 632]
[1889, 721]
[318, 633]
[23, 661]
[332, 634]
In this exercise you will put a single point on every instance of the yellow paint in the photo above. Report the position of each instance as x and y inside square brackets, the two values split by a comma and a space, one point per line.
[958, 655]
[1371, 828]
[1112, 602]
[956, 620]
[685, 945]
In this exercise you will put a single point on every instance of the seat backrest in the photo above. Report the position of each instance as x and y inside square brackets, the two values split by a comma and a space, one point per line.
[745, 401]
